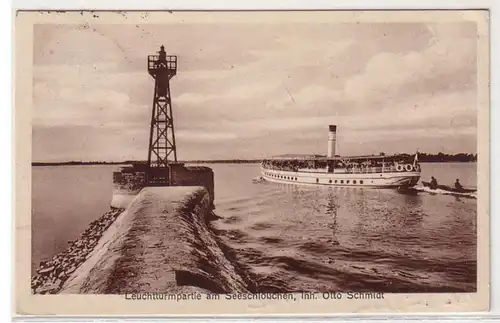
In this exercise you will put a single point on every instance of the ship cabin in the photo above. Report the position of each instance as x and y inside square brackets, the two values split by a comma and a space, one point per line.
[343, 164]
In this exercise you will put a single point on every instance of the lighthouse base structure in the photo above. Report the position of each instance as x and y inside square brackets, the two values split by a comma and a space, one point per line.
[130, 180]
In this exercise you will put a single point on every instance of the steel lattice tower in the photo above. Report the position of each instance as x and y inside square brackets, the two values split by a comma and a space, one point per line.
[162, 68]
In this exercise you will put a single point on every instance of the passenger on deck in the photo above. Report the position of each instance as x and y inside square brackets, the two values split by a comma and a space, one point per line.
[458, 186]
[434, 183]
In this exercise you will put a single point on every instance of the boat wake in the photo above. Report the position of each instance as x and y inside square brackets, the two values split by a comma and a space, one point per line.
[258, 179]
[444, 192]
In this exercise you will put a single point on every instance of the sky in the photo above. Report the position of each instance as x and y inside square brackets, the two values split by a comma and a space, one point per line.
[247, 90]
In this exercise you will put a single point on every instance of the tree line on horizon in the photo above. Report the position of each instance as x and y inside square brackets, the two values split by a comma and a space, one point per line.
[422, 157]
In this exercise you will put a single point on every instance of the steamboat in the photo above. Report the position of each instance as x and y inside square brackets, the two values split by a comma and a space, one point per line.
[377, 171]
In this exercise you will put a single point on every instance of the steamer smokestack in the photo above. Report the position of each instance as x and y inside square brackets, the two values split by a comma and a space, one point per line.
[332, 139]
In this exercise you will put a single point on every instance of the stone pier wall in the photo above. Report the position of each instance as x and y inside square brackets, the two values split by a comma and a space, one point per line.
[161, 243]
[194, 176]
[128, 181]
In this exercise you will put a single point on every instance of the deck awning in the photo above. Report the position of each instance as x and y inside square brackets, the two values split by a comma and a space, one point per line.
[338, 158]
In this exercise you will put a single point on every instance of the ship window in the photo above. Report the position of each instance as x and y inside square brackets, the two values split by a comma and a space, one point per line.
[342, 182]
[335, 181]
[361, 182]
[354, 182]
[330, 181]
[295, 178]
[347, 181]
[317, 180]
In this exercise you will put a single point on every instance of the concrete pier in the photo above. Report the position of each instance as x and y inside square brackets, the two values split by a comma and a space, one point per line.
[161, 243]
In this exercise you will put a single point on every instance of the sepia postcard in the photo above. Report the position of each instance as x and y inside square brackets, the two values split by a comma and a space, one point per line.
[200, 163]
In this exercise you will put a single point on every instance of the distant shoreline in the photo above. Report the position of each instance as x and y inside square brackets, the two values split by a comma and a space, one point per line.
[135, 162]
[35, 164]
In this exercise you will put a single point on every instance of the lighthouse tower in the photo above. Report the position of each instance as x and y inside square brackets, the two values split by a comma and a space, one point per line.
[162, 150]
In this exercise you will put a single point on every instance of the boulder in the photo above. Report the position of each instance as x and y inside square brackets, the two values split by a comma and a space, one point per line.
[46, 270]
[48, 289]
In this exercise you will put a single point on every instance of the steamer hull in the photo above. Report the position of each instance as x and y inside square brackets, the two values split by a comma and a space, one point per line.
[373, 180]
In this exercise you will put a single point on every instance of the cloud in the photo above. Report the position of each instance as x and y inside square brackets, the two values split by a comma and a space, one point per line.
[60, 142]
[78, 45]
[251, 90]
[392, 76]
[203, 136]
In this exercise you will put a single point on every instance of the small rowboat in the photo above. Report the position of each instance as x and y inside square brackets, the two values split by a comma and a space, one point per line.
[257, 180]
[448, 188]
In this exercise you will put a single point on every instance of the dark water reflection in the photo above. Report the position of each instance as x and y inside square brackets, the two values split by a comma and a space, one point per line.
[306, 238]
[300, 238]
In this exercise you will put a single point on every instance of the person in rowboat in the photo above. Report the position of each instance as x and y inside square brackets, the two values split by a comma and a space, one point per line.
[458, 186]
[434, 183]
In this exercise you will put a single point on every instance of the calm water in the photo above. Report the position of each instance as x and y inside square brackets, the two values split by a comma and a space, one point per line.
[300, 237]
[65, 200]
